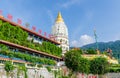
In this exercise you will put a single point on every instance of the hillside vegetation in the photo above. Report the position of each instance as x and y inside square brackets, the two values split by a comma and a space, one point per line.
[113, 45]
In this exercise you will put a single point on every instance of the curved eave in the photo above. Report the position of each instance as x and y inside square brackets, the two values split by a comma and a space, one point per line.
[29, 49]
[28, 30]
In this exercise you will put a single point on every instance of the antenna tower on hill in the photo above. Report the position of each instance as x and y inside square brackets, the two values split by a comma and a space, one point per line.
[96, 37]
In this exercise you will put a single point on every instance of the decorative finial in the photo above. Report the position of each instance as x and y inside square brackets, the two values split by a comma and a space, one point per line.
[59, 18]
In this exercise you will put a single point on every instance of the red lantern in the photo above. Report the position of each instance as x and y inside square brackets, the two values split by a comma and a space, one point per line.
[0, 12]
[45, 34]
[39, 31]
[9, 16]
[33, 28]
[19, 21]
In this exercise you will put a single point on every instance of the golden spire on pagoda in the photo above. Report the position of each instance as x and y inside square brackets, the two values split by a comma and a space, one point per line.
[59, 18]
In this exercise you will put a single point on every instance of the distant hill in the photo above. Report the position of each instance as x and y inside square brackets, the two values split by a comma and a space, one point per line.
[103, 46]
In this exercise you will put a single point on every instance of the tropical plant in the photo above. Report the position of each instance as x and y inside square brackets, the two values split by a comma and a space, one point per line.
[55, 73]
[19, 70]
[8, 67]
[39, 66]
[91, 51]
[25, 71]
[72, 60]
[48, 68]
[99, 65]
[114, 68]
[84, 65]
[75, 62]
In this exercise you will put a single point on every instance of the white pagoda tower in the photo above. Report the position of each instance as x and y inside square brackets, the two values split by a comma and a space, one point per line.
[60, 31]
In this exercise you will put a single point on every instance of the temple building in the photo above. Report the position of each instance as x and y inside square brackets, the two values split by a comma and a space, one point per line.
[60, 32]
[33, 46]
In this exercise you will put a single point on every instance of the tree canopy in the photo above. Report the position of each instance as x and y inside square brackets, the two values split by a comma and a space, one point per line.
[103, 46]
[76, 62]
[91, 51]
[99, 65]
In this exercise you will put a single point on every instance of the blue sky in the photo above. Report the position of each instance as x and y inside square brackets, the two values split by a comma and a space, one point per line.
[80, 16]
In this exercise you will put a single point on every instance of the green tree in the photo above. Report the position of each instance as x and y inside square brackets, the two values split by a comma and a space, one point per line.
[84, 65]
[91, 51]
[72, 60]
[75, 62]
[0, 22]
[99, 65]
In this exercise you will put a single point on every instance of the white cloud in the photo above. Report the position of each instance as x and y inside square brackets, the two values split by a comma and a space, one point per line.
[84, 40]
[70, 2]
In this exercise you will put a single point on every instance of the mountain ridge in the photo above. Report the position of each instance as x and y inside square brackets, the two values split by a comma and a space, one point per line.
[103, 46]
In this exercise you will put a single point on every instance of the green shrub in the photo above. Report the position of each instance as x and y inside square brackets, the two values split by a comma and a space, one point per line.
[27, 57]
[9, 66]
[48, 68]
[39, 65]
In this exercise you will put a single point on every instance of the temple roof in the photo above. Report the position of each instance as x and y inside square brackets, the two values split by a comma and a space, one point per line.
[28, 30]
